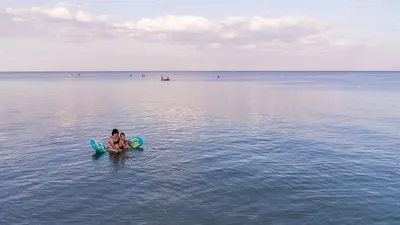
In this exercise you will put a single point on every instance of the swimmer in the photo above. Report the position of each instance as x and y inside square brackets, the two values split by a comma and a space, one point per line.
[123, 144]
[113, 141]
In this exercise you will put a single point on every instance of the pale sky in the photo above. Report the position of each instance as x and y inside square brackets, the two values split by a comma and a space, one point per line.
[45, 35]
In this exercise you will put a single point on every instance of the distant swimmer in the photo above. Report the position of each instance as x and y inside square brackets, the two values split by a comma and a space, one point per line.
[218, 76]
[131, 75]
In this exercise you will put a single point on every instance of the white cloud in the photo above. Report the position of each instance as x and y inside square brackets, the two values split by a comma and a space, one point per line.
[59, 11]
[234, 31]
[17, 19]
[66, 21]
[215, 45]
[73, 23]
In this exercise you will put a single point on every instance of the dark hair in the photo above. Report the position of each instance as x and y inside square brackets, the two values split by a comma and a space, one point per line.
[122, 134]
[115, 131]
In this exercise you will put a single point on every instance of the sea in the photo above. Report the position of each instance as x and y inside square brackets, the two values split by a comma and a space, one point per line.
[225, 147]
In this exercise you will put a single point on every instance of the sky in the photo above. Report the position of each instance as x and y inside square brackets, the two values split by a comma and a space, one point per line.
[137, 35]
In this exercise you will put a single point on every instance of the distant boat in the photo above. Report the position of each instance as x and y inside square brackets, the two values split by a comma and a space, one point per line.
[164, 79]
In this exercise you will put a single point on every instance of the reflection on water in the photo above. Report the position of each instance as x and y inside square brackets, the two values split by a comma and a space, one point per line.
[96, 156]
[117, 160]
[258, 148]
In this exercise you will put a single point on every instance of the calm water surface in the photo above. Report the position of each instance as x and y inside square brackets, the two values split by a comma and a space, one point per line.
[248, 148]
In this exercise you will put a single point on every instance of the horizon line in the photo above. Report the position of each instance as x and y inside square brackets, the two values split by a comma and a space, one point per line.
[151, 71]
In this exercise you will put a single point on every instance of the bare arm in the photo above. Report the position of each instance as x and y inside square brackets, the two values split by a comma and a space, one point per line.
[121, 143]
[111, 144]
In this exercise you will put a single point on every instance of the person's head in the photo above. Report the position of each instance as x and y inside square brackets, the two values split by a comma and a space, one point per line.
[115, 133]
[122, 136]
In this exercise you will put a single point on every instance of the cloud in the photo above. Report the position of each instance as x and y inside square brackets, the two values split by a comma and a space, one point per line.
[246, 32]
[62, 20]
[73, 22]
[59, 11]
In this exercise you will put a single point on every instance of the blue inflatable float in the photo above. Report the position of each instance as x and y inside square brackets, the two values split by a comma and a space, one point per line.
[134, 143]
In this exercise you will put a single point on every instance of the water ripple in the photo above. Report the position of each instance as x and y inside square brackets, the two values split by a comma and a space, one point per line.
[275, 151]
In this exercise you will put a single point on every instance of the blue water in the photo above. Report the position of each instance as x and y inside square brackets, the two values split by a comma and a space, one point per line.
[248, 148]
